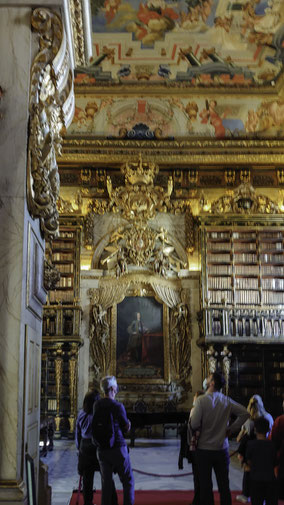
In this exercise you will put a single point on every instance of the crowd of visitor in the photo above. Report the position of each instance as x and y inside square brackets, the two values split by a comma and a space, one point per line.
[102, 425]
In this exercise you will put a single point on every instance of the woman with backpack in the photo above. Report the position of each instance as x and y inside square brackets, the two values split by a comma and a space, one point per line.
[87, 460]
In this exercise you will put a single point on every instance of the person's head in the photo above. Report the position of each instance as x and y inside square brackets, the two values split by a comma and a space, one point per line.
[109, 386]
[261, 426]
[89, 399]
[255, 407]
[196, 395]
[138, 315]
[215, 382]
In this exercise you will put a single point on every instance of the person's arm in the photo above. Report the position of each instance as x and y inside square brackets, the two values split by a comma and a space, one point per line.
[123, 421]
[196, 415]
[78, 435]
[242, 415]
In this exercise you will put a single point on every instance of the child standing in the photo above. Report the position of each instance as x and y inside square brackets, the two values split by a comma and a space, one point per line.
[261, 459]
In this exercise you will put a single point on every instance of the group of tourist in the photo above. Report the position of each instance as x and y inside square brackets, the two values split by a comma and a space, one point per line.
[100, 437]
[214, 418]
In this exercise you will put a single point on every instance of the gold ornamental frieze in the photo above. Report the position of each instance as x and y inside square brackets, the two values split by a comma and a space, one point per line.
[51, 108]
[244, 200]
[192, 152]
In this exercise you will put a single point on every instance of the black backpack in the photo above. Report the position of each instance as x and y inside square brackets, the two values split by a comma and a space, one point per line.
[103, 429]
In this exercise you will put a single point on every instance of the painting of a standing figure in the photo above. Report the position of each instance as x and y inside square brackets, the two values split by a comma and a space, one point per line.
[140, 344]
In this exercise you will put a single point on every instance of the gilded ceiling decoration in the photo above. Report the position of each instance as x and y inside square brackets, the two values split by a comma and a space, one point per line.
[193, 43]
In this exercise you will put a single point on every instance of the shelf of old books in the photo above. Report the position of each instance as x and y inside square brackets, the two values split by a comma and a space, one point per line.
[65, 252]
[244, 267]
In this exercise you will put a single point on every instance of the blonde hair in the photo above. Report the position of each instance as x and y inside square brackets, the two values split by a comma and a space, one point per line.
[255, 407]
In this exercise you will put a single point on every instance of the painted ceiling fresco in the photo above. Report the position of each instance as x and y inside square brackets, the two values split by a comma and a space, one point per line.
[232, 43]
[172, 117]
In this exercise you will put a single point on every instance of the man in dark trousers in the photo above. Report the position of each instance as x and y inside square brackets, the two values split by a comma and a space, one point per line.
[113, 456]
[211, 415]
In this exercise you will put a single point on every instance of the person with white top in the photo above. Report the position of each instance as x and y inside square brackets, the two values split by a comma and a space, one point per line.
[212, 414]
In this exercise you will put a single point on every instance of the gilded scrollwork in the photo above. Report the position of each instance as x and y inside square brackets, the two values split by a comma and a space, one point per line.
[70, 206]
[141, 245]
[58, 382]
[139, 200]
[211, 359]
[78, 31]
[51, 108]
[180, 350]
[244, 200]
[100, 340]
[51, 275]
[72, 364]
[226, 353]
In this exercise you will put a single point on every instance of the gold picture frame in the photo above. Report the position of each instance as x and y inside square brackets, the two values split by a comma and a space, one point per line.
[151, 366]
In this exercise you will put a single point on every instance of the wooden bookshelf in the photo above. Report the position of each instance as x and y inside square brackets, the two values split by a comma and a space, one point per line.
[61, 334]
[244, 267]
[65, 256]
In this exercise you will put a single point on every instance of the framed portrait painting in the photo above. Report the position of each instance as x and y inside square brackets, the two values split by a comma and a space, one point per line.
[140, 340]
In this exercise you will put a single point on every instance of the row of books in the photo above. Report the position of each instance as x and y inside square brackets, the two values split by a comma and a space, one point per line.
[65, 282]
[247, 270]
[220, 269]
[66, 234]
[271, 258]
[247, 297]
[272, 298]
[245, 283]
[245, 235]
[66, 269]
[273, 284]
[271, 246]
[67, 256]
[221, 296]
[219, 258]
[63, 244]
[219, 283]
[61, 296]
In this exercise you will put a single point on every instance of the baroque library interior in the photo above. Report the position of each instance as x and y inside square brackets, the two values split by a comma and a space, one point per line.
[142, 192]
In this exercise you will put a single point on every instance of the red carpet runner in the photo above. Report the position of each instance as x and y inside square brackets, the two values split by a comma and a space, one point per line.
[157, 498]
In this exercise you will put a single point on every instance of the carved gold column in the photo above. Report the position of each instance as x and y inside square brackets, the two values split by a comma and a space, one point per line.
[51, 108]
[226, 353]
[58, 384]
[211, 359]
[180, 350]
[73, 379]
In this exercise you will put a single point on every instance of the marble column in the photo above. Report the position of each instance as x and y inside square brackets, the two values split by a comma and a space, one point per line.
[21, 265]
